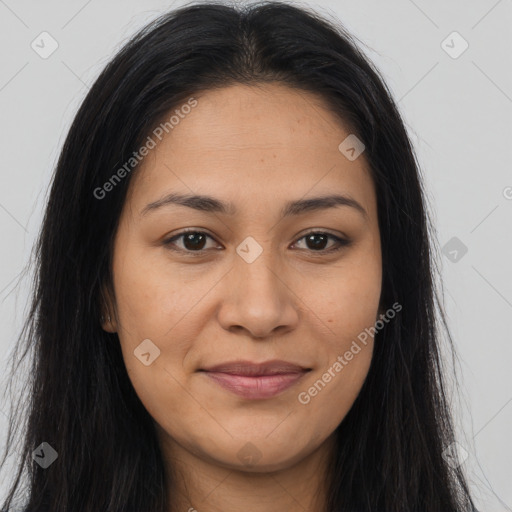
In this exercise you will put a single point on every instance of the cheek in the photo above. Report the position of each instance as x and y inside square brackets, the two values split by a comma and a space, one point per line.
[157, 371]
[159, 303]
[153, 295]
[347, 347]
[347, 304]
[327, 398]
[346, 300]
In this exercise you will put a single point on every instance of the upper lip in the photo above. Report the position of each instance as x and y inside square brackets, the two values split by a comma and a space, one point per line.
[248, 368]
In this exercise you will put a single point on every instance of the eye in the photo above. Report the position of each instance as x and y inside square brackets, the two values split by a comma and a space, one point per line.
[195, 242]
[317, 240]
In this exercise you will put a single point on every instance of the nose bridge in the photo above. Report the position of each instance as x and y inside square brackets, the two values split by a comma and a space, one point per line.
[259, 300]
[260, 275]
[257, 274]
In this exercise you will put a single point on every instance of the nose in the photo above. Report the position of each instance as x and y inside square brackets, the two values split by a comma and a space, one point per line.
[258, 300]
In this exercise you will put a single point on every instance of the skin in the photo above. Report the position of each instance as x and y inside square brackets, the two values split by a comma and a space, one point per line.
[257, 147]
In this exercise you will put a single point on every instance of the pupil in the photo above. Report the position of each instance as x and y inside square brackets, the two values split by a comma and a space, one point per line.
[311, 238]
[191, 241]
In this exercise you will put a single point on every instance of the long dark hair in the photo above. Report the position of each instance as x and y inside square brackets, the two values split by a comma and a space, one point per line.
[389, 454]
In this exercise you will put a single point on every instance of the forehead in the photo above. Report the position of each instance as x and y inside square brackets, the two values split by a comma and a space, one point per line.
[264, 116]
[257, 142]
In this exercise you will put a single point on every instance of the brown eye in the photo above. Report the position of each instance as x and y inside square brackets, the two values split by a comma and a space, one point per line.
[196, 241]
[317, 242]
[191, 241]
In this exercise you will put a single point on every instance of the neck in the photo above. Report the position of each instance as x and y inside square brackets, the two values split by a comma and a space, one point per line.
[202, 486]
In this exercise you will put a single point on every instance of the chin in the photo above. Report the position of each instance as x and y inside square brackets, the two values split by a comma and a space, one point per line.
[257, 456]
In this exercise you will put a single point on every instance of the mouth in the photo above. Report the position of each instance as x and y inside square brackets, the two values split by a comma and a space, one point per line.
[256, 380]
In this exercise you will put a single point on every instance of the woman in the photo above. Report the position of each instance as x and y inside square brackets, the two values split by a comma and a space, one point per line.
[235, 301]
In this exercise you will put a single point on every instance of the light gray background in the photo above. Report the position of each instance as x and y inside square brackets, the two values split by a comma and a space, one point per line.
[458, 112]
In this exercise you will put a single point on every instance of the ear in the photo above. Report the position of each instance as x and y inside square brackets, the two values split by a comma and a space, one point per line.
[108, 317]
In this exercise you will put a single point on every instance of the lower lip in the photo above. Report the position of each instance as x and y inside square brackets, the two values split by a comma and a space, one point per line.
[256, 387]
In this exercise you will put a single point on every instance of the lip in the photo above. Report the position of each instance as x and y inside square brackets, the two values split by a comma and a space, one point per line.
[256, 380]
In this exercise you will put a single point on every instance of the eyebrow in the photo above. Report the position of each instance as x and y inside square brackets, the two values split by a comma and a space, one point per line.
[210, 204]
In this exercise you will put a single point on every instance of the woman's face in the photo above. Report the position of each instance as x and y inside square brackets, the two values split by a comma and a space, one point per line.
[263, 279]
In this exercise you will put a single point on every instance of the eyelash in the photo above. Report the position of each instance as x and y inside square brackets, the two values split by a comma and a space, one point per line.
[342, 242]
